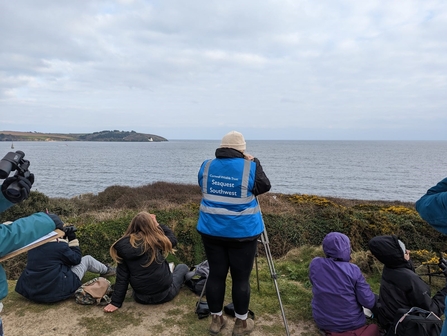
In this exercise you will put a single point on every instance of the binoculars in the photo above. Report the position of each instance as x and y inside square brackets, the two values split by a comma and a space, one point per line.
[10, 162]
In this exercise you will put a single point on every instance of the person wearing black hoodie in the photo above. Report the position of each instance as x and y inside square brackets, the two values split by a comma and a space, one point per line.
[400, 286]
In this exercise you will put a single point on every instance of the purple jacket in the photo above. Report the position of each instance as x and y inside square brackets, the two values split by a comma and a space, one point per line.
[338, 287]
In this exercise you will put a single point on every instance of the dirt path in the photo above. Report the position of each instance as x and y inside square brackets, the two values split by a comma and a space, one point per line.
[22, 317]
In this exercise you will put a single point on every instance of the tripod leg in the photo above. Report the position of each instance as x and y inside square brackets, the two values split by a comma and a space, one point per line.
[256, 264]
[201, 295]
[265, 242]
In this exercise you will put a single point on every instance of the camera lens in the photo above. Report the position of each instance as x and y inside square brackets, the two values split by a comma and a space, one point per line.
[13, 190]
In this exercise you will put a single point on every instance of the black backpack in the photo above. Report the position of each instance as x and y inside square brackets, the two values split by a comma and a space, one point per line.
[195, 279]
[415, 322]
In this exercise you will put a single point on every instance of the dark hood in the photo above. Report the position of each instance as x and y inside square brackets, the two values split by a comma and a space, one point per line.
[337, 246]
[388, 251]
[222, 153]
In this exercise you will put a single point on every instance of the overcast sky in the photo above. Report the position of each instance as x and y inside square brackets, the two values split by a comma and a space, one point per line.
[189, 69]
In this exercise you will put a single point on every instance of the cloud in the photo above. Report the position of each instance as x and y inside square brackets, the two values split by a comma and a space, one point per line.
[185, 67]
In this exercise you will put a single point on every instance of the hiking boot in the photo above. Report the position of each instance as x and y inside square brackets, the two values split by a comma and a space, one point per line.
[243, 327]
[217, 324]
[111, 271]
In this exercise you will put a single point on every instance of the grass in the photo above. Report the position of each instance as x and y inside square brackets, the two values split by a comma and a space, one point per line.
[294, 290]
[296, 225]
[264, 303]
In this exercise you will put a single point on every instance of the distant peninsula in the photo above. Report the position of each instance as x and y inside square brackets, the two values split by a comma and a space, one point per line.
[116, 136]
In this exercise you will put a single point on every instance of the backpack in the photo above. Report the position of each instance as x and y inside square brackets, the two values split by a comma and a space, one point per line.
[96, 291]
[195, 279]
[416, 322]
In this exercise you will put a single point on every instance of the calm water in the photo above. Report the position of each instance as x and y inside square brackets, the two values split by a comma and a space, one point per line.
[369, 170]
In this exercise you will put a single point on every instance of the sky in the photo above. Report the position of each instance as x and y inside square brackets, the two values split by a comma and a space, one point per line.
[271, 69]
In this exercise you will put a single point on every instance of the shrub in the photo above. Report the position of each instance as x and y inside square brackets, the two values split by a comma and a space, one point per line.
[36, 202]
[96, 238]
[291, 221]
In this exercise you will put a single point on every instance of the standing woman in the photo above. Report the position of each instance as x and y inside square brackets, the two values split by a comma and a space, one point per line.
[230, 223]
[141, 256]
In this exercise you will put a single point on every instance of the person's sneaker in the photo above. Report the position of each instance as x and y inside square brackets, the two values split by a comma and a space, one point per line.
[243, 327]
[111, 271]
[217, 324]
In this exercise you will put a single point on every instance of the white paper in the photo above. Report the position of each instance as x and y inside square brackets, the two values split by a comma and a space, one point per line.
[49, 235]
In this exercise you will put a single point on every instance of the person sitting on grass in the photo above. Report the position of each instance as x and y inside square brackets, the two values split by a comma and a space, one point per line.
[54, 270]
[141, 256]
[400, 286]
[340, 291]
[432, 207]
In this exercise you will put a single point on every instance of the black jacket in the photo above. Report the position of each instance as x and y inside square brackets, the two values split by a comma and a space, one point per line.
[47, 276]
[150, 284]
[400, 286]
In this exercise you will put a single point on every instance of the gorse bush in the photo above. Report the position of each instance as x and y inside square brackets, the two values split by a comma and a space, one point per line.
[291, 220]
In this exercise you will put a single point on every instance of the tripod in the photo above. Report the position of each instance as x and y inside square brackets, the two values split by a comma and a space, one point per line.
[265, 242]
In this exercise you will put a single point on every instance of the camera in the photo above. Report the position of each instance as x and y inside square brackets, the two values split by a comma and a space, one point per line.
[10, 162]
[70, 229]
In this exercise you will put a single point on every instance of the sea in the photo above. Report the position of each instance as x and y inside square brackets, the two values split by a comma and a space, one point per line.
[364, 170]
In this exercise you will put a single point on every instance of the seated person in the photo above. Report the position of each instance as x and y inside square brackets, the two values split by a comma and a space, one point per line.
[141, 256]
[54, 270]
[432, 207]
[400, 286]
[340, 292]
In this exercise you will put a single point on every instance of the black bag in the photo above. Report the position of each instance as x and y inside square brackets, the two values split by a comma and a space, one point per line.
[202, 309]
[195, 279]
[416, 322]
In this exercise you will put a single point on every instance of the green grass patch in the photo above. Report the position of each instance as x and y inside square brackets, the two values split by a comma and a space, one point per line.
[109, 322]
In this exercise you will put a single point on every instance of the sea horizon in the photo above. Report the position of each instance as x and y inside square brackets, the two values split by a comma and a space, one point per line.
[390, 170]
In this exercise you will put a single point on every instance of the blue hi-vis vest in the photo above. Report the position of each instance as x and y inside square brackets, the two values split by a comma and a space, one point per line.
[228, 208]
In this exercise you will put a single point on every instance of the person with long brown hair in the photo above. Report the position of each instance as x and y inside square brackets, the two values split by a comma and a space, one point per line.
[141, 257]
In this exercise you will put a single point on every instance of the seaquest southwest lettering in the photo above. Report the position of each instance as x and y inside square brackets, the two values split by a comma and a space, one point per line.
[222, 192]
[223, 185]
